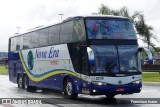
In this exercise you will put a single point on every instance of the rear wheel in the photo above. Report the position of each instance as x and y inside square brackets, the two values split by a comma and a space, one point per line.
[25, 84]
[68, 90]
[19, 81]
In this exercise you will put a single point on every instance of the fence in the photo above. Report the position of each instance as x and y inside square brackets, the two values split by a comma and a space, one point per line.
[151, 68]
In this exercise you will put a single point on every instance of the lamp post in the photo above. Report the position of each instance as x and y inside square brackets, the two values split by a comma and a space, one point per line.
[61, 16]
[18, 29]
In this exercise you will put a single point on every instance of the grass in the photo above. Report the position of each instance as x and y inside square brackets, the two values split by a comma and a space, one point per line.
[151, 77]
[3, 69]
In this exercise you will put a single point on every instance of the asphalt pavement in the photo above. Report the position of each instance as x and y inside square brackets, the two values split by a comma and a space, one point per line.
[148, 97]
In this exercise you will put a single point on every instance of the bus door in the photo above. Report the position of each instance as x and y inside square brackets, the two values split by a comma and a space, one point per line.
[84, 70]
[84, 61]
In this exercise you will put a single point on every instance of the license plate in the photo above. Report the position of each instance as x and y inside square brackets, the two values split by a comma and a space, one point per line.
[120, 89]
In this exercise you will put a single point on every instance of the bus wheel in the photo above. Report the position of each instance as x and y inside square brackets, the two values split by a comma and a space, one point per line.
[19, 82]
[68, 91]
[110, 96]
[25, 85]
[24, 82]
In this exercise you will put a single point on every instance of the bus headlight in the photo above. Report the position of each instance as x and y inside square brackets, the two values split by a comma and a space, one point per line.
[99, 83]
[137, 82]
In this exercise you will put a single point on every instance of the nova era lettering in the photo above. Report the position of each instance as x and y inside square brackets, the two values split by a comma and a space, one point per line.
[44, 54]
[53, 53]
[40, 54]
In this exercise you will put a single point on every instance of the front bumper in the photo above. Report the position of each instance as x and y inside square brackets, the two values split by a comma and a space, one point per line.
[115, 89]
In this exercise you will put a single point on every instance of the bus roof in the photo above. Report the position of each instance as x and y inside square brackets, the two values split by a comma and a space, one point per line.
[68, 19]
[94, 16]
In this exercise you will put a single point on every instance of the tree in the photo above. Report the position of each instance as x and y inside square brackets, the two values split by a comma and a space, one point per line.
[157, 49]
[137, 18]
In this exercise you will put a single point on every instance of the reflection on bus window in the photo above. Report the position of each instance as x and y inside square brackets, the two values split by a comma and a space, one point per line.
[110, 29]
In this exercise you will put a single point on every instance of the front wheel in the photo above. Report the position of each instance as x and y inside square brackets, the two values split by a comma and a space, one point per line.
[68, 90]
[110, 96]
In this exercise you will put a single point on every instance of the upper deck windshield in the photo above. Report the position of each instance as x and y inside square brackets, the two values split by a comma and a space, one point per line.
[110, 29]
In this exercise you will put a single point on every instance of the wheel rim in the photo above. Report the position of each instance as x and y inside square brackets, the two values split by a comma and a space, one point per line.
[20, 83]
[69, 88]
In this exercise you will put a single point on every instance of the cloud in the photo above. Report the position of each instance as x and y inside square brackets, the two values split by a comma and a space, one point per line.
[28, 14]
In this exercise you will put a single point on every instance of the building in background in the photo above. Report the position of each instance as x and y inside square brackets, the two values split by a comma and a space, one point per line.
[4, 58]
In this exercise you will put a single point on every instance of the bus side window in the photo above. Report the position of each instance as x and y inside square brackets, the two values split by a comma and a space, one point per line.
[78, 31]
[19, 41]
[13, 44]
[43, 37]
[34, 39]
[26, 41]
[66, 32]
[54, 35]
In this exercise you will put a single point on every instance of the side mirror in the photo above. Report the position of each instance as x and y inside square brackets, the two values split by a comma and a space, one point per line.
[149, 54]
[90, 56]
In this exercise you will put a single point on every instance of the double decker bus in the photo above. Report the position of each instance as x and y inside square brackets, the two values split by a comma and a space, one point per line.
[94, 55]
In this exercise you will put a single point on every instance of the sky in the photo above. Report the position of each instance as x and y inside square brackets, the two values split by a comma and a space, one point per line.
[27, 14]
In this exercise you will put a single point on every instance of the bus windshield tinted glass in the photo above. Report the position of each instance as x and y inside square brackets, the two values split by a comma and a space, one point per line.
[115, 59]
[105, 58]
[128, 58]
[110, 29]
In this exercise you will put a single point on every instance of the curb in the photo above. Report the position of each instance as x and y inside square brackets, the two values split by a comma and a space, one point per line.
[151, 83]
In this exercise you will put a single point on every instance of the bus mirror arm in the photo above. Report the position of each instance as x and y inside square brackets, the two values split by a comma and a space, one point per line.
[149, 54]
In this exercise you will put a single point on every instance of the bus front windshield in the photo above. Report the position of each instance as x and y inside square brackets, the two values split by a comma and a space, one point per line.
[116, 59]
[110, 29]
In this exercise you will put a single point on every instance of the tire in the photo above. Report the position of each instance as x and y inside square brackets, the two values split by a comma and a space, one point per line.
[25, 85]
[19, 82]
[68, 90]
[110, 96]
[24, 82]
